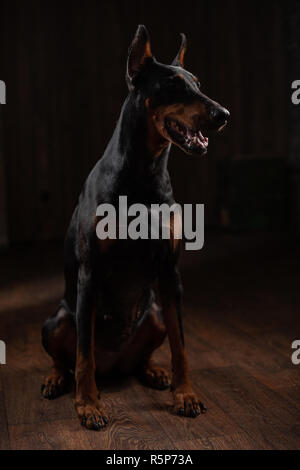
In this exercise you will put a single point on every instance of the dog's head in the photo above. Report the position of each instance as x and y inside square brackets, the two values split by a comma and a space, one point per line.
[181, 113]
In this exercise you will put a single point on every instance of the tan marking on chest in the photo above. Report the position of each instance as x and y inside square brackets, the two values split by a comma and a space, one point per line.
[106, 244]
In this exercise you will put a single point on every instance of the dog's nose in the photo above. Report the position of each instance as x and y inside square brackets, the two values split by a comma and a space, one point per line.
[219, 116]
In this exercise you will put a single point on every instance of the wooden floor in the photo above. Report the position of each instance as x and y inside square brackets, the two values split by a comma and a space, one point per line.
[242, 312]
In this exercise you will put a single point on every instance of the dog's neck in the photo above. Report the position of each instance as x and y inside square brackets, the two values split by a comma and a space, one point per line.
[139, 141]
[137, 156]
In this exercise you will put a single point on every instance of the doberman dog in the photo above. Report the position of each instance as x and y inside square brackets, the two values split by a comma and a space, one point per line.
[109, 319]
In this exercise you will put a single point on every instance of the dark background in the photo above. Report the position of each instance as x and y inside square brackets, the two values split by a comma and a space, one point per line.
[64, 65]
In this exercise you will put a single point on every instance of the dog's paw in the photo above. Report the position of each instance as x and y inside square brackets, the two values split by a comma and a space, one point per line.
[186, 403]
[55, 385]
[92, 415]
[155, 377]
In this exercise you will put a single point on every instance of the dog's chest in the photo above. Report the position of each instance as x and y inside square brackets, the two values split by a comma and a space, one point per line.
[129, 272]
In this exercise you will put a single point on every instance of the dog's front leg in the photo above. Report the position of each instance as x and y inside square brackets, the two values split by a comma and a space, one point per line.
[186, 402]
[87, 402]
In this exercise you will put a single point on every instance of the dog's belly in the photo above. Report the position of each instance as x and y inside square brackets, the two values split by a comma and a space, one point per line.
[117, 320]
[114, 334]
[125, 294]
[105, 360]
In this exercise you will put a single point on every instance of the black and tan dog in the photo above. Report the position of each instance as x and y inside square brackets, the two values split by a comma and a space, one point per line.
[108, 319]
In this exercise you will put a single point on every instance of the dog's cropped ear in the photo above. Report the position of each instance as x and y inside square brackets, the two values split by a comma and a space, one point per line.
[138, 53]
[179, 59]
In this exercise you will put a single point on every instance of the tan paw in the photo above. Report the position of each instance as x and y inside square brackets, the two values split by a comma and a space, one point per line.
[186, 402]
[92, 415]
[155, 377]
[54, 386]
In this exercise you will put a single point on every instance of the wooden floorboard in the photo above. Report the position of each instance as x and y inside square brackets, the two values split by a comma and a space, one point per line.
[240, 321]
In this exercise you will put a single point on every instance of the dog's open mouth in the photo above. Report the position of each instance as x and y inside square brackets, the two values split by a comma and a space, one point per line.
[189, 140]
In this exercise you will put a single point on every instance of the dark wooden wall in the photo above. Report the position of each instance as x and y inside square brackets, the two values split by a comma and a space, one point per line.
[64, 64]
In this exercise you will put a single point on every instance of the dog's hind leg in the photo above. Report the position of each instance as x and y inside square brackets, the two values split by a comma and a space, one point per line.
[59, 340]
[138, 356]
